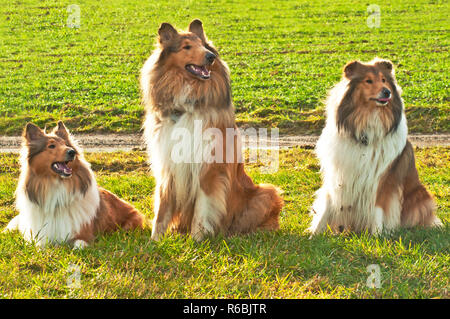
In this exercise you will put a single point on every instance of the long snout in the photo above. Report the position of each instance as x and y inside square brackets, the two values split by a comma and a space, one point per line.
[209, 57]
[385, 93]
[70, 154]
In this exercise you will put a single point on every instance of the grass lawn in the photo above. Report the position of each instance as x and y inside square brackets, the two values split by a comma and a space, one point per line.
[283, 55]
[283, 264]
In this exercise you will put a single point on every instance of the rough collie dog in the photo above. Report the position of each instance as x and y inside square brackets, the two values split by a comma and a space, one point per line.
[370, 180]
[57, 196]
[185, 82]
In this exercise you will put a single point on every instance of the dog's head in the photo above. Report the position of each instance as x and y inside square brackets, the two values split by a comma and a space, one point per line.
[189, 51]
[373, 82]
[371, 90]
[50, 155]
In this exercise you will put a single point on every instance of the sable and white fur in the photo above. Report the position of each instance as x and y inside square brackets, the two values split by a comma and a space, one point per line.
[60, 218]
[61, 208]
[182, 82]
[370, 180]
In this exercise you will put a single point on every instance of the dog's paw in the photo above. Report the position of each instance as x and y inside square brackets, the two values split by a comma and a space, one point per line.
[313, 230]
[436, 222]
[198, 236]
[156, 236]
[79, 244]
[12, 225]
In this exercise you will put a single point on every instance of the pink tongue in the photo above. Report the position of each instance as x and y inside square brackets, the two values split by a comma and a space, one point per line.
[384, 100]
[204, 71]
[66, 169]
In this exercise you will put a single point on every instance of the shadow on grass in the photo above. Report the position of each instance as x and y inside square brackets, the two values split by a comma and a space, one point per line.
[335, 259]
[287, 260]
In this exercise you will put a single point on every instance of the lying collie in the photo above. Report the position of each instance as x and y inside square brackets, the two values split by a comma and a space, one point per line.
[185, 83]
[370, 180]
[57, 196]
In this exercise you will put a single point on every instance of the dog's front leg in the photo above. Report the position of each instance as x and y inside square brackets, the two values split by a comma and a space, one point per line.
[208, 214]
[321, 213]
[163, 208]
[13, 224]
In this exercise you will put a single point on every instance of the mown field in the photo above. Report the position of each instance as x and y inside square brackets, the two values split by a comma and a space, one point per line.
[283, 264]
[283, 55]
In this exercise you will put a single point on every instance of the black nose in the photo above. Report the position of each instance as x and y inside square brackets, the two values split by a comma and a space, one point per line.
[210, 57]
[71, 153]
[386, 92]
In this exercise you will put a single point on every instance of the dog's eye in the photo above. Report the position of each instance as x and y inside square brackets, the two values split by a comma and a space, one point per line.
[51, 146]
[369, 81]
[383, 80]
[187, 47]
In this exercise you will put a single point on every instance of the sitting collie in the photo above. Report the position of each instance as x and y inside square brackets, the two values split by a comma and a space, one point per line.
[370, 180]
[183, 83]
[57, 196]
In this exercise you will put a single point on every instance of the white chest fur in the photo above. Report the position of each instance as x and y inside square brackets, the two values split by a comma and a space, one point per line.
[59, 217]
[351, 174]
[178, 148]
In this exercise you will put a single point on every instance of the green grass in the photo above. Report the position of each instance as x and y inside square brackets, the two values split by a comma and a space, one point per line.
[282, 264]
[283, 55]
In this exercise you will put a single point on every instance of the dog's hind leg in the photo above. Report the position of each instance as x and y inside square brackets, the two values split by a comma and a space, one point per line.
[261, 211]
[418, 209]
[163, 207]
[418, 206]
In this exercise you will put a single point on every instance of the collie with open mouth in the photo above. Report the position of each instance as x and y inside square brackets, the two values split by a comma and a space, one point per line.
[57, 195]
[185, 82]
[370, 180]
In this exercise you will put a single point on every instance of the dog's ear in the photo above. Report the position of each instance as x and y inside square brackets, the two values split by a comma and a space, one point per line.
[352, 68]
[61, 131]
[385, 65]
[196, 27]
[166, 33]
[32, 132]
